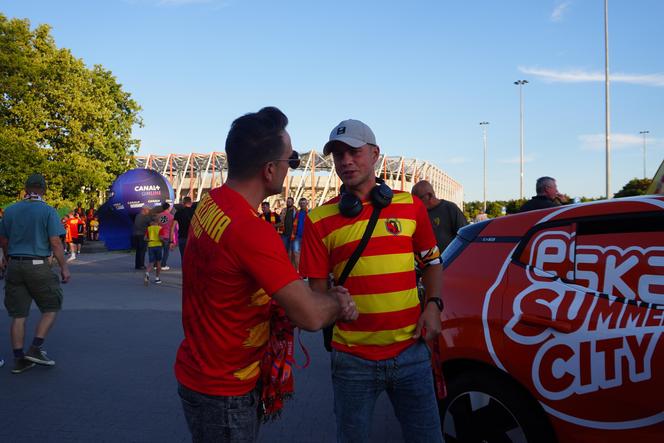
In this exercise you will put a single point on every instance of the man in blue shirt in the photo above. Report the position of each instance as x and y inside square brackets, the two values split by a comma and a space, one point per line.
[298, 231]
[29, 232]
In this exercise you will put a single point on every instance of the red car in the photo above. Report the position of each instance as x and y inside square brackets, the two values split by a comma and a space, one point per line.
[553, 324]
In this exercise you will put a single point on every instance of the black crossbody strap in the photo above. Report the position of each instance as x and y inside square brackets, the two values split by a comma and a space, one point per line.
[327, 331]
[360, 247]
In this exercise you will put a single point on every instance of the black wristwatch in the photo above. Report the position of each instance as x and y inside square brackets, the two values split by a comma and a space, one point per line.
[437, 301]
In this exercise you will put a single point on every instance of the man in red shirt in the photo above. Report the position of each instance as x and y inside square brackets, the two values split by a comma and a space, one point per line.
[236, 265]
[383, 350]
[72, 227]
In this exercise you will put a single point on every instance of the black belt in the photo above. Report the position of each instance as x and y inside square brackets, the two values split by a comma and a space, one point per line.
[23, 257]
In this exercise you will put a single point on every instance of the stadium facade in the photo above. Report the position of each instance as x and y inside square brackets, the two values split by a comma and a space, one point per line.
[194, 174]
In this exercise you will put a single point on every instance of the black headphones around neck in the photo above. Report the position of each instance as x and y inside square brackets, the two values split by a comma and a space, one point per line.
[350, 206]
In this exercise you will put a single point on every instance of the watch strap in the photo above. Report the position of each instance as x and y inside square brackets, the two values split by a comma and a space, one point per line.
[438, 301]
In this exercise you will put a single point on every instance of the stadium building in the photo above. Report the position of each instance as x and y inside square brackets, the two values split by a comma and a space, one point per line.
[194, 174]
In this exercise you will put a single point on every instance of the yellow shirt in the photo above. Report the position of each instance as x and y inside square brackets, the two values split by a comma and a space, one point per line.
[153, 236]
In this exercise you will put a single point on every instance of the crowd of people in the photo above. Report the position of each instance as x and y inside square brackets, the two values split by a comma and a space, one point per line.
[79, 225]
[157, 231]
[249, 277]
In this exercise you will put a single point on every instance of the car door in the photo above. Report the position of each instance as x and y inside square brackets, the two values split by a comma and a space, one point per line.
[619, 262]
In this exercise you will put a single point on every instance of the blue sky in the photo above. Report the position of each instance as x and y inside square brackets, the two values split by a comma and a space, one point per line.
[422, 74]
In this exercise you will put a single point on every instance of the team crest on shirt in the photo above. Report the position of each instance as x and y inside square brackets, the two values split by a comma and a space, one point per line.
[393, 226]
[436, 221]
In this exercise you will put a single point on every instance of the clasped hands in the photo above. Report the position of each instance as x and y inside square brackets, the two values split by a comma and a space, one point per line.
[348, 308]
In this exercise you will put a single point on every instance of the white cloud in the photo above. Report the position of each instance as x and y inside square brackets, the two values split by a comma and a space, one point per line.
[580, 75]
[619, 141]
[528, 158]
[559, 11]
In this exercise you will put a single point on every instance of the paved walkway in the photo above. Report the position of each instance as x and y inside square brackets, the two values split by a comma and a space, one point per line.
[114, 344]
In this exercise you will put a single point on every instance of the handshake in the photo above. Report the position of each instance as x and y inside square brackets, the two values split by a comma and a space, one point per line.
[348, 309]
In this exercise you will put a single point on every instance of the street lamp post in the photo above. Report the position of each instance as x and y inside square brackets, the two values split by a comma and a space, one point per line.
[484, 125]
[644, 134]
[607, 101]
[520, 84]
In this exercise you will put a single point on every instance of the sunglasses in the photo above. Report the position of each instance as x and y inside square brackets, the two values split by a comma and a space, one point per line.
[293, 160]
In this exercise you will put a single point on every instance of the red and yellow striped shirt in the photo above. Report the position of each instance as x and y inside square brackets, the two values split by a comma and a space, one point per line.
[382, 281]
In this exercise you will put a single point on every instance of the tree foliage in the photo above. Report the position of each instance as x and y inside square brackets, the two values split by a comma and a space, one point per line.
[636, 186]
[58, 117]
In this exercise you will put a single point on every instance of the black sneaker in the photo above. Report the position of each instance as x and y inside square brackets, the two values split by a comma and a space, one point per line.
[157, 281]
[21, 365]
[36, 355]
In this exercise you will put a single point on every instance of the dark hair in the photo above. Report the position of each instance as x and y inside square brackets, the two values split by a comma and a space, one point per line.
[253, 140]
[187, 199]
[542, 183]
[165, 206]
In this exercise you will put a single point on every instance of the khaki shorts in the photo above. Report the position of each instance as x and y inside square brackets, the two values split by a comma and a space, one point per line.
[27, 281]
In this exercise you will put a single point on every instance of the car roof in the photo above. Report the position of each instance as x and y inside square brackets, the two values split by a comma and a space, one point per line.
[518, 224]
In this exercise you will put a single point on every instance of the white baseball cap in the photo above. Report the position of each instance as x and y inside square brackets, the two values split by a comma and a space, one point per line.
[354, 133]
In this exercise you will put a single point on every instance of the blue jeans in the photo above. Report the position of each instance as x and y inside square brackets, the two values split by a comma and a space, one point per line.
[213, 418]
[408, 380]
[287, 242]
[296, 244]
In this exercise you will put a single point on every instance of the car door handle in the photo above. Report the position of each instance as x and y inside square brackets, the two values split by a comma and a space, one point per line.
[536, 320]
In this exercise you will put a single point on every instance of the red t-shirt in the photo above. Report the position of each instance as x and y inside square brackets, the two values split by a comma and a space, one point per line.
[235, 263]
[72, 226]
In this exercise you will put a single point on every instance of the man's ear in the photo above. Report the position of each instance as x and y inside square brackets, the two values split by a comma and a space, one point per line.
[268, 171]
[375, 152]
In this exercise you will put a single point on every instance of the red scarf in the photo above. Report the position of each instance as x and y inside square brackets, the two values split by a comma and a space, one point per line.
[277, 363]
[270, 217]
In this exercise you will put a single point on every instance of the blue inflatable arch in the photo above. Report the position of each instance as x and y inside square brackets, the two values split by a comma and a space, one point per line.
[128, 194]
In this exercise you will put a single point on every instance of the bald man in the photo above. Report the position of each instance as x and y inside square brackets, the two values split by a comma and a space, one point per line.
[446, 217]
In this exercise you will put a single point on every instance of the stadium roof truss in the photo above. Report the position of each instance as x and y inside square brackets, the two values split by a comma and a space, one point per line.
[194, 174]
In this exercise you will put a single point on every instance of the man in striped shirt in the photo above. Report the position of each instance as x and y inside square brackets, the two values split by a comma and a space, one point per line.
[384, 349]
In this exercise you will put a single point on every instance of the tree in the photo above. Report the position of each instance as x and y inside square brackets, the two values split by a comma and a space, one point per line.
[636, 186]
[58, 117]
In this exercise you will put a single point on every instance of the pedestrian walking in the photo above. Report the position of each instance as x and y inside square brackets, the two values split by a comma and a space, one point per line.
[233, 364]
[155, 248]
[29, 233]
[72, 235]
[165, 220]
[383, 350]
[183, 218]
[141, 223]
